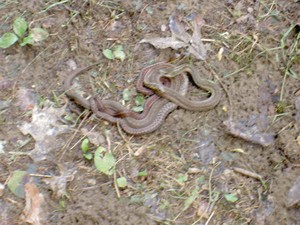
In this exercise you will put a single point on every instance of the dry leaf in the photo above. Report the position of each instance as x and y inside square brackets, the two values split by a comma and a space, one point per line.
[182, 39]
[45, 128]
[168, 42]
[33, 212]
[95, 138]
[58, 184]
[249, 133]
[203, 209]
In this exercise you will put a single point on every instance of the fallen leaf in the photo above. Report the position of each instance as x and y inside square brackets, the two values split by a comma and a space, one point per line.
[58, 184]
[182, 39]
[33, 212]
[168, 42]
[17, 182]
[249, 133]
[95, 138]
[178, 30]
[196, 47]
[45, 128]
[203, 209]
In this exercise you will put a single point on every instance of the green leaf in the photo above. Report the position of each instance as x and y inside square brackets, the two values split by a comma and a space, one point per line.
[62, 203]
[119, 55]
[143, 173]
[138, 108]
[7, 40]
[182, 178]
[139, 100]
[105, 162]
[118, 48]
[231, 197]
[101, 150]
[122, 182]
[38, 34]
[68, 117]
[20, 26]
[126, 94]
[108, 53]
[85, 145]
[16, 183]
[88, 155]
[27, 41]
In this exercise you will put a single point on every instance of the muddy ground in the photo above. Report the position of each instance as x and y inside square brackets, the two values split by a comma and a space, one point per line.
[236, 164]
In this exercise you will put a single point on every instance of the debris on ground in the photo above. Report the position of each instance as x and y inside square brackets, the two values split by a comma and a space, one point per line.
[45, 129]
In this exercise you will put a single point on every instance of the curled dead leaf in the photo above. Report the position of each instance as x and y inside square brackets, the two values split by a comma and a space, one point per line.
[33, 212]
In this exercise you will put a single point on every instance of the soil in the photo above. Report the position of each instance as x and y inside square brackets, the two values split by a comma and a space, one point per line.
[247, 147]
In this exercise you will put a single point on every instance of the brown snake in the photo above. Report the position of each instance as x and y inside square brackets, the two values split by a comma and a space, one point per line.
[146, 122]
[156, 108]
[152, 82]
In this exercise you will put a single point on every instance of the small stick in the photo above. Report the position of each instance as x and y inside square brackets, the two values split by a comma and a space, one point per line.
[247, 173]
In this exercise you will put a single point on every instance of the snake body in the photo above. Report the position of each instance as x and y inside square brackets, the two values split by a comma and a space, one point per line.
[181, 100]
[156, 107]
[152, 117]
[165, 97]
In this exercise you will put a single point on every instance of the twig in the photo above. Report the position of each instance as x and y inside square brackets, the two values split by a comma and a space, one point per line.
[116, 186]
[247, 173]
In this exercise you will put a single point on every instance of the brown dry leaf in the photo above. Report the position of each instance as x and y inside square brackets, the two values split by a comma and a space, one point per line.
[45, 128]
[33, 211]
[196, 47]
[182, 39]
[203, 209]
[168, 42]
[248, 132]
[95, 138]
[58, 184]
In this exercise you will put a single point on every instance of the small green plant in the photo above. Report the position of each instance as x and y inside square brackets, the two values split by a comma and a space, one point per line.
[115, 53]
[85, 149]
[23, 34]
[104, 161]
[231, 197]
[122, 182]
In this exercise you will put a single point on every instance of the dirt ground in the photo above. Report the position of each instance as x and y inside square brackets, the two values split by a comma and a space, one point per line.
[236, 164]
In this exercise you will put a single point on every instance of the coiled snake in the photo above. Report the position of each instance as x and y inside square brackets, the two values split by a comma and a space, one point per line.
[168, 83]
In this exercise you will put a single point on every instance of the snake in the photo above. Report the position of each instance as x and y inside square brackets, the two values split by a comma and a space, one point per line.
[151, 81]
[155, 111]
[165, 97]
